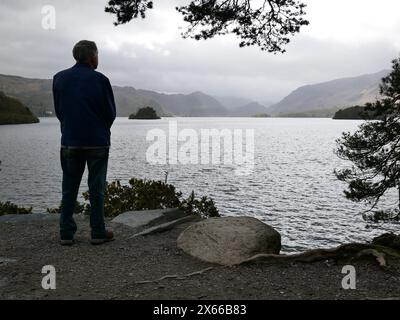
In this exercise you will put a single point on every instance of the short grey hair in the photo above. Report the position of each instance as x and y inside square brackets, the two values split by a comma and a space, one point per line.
[84, 50]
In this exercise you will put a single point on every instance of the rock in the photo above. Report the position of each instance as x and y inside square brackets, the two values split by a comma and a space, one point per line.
[149, 218]
[13, 218]
[229, 240]
[164, 226]
[5, 261]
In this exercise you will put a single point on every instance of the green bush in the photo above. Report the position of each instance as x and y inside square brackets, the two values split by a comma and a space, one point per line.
[205, 207]
[79, 208]
[11, 208]
[390, 215]
[143, 194]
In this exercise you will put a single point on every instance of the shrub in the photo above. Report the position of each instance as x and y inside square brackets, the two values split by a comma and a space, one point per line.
[205, 207]
[374, 150]
[11, 208]
[79, 208]
[390, 215]
[143, 194]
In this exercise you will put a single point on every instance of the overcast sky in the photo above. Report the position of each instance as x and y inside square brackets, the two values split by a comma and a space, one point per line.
[345, 38]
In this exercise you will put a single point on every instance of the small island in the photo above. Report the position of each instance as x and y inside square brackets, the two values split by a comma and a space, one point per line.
[355, 113]
[261, 115]
[146, 113]
[13, 111]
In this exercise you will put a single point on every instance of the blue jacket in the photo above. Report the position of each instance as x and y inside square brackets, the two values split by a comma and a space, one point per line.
[84, 104]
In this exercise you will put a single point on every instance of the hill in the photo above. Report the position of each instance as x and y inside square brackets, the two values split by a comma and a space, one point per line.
[354, 113]
[196, 104]
[37, 95]
[249, 110]
[338, 93]
[324, 113]
[231, 103]
[13, 111]
[129, 100]
[242, 107]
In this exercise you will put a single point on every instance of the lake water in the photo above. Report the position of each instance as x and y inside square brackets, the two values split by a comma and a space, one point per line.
[292, 187]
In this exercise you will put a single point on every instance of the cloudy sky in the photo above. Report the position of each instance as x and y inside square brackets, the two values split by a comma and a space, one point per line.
[345, 38]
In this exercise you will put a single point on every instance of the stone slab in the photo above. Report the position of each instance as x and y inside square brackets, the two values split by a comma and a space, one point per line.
[149, 218]
[165, 226]
[10, 218]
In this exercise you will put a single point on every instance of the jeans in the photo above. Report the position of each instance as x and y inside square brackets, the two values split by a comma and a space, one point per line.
[73, 162]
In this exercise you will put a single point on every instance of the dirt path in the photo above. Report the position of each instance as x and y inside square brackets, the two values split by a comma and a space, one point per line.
[112, 271]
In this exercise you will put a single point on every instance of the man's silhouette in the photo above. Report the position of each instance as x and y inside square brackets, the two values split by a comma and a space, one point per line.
[84, 104]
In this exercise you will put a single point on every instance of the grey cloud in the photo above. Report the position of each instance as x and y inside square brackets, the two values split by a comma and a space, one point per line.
[215, 66]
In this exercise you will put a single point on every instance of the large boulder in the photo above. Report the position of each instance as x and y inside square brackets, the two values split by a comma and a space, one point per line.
[229, 240]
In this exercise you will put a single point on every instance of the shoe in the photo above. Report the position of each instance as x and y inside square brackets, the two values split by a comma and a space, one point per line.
[67, 241]
[107, 238]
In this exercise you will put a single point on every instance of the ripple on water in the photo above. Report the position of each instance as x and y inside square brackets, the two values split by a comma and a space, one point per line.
[292, 187]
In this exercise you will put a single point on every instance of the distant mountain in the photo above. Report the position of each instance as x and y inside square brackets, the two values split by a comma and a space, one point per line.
[333, 94]
[242, 107]
[13, 111]
[34, 93]
[196, 104]
[249, 110]
[266, 103]
[231, 103]
[37, 95]
[129, 100]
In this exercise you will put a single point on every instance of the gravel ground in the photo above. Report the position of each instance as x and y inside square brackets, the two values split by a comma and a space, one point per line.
[111, 271]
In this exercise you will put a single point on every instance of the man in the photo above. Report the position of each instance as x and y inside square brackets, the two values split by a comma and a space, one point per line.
[84, 104]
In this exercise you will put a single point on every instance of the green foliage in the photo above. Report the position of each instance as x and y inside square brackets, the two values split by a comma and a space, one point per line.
[11, 208]
[79, 208]
[374, 149]
[138, 195]
[382, 215]
[324, 113]
[127, 10]
[13, 111]
[145, 113]
[355, 113]
[261, 115]
[146, 195]
[204, 207]
[267, 24]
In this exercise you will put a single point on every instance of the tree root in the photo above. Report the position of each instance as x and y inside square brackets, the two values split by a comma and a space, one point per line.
[176, 276]
[346, 252]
